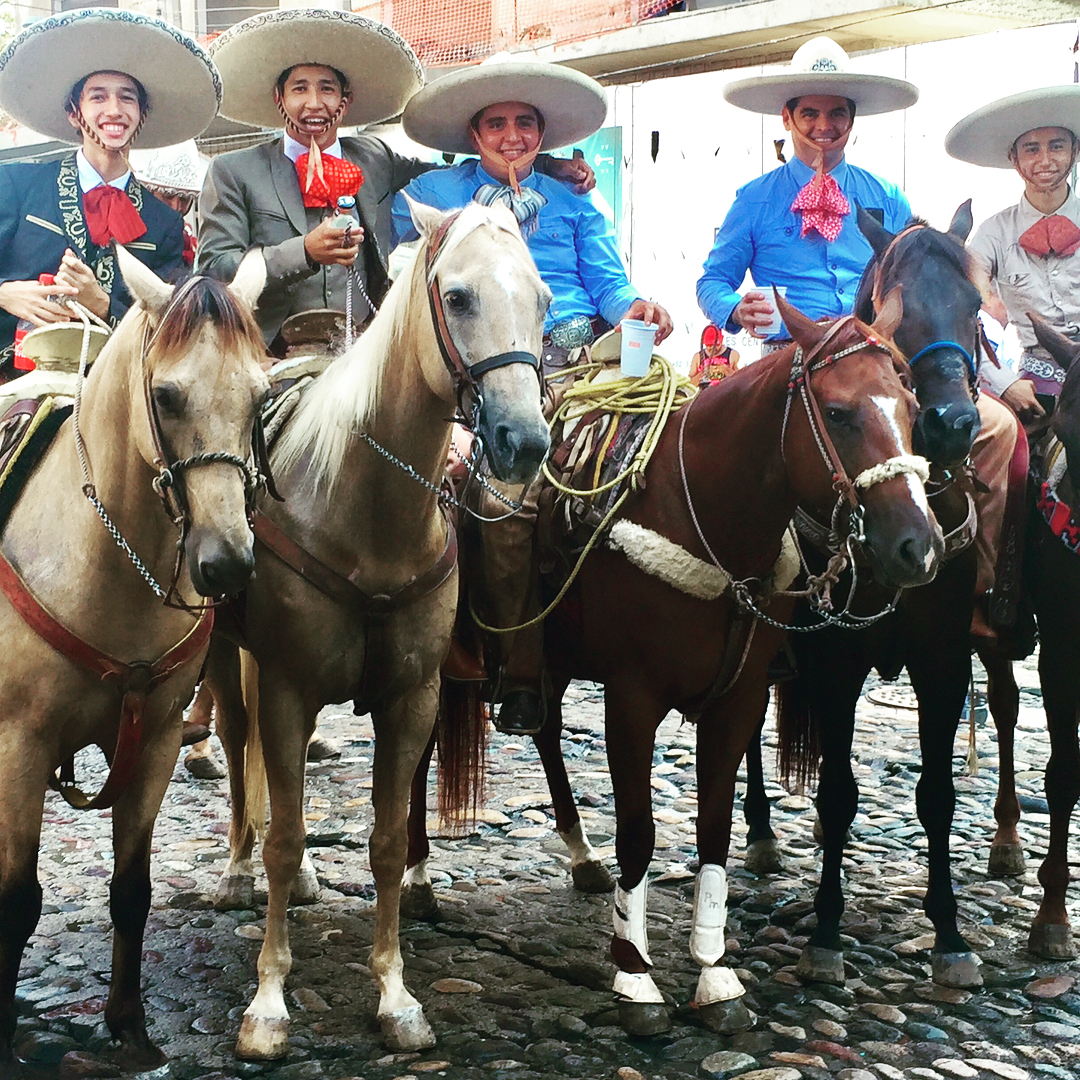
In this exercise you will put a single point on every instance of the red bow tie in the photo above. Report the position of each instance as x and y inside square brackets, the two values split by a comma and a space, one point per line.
[1053, 235]
[329, 178]
[111, 215]
[823, 206]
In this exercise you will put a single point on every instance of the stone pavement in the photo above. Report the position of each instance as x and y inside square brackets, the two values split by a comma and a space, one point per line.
[515, 978]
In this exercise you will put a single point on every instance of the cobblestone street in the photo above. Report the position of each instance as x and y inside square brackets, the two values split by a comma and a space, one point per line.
[515, 978]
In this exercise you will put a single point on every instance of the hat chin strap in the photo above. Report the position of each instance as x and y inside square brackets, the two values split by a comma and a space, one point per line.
[490, 158]
[94, 137]
[302, 136]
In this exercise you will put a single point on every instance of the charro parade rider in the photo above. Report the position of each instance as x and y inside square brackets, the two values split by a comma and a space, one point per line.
[105, 80]
[504, 110]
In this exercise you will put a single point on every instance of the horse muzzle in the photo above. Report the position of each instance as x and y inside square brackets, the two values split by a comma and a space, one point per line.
[905, 553]
[218, 567]
[944, 434]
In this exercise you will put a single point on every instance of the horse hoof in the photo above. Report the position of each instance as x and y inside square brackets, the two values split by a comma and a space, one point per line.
[204, 768]
[725, 1017]
[418, 902]
[956, 969]
[407, 1029]
[821, 965]
[638, 1018]
[592, 877]
[236, 892]
[305, 887]
[263, 1039]
[1006, 860]
[763, 857]
[1053, 941]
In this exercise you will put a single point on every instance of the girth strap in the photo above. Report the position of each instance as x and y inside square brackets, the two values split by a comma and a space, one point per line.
[135, 682]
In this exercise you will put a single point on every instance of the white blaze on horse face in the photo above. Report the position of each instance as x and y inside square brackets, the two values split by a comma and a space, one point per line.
[887, 406]
[505, 277]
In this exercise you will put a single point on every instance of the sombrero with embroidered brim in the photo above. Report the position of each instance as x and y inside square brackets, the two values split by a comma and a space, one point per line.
[985, 136]
[821, 67]
[41, 65]
[175, 170]
[572, 104]
[382, 70]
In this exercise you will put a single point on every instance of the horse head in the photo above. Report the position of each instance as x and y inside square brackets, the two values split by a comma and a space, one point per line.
[203, 385]
[1065, 421]
[488, 305]
[939, 332]
[865, 413]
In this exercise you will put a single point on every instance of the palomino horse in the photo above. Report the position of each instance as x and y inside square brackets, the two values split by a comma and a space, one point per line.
[1052, 578]
[725, 479]
[357, 583]
[91, 655]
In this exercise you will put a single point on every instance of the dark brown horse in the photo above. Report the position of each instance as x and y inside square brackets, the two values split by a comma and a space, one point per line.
[726, 477]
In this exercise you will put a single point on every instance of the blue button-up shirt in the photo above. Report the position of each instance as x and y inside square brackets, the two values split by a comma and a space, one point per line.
[573, 246]
[761, 233]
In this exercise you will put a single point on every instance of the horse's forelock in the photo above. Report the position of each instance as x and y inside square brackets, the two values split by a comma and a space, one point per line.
[199, 299]
[472, 217]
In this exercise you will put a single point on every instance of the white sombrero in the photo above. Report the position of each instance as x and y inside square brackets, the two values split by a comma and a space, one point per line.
[985, 136]
[178, 170]
[40, 67]
[821, 67]
[382, 70]
[573, 105]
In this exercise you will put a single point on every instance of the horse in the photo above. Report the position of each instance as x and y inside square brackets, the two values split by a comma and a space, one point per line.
[357, 582]
[1052, 579]
[92, 657]
[726, 476]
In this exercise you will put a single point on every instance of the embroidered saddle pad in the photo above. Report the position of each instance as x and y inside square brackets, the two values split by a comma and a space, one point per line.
[26, 431]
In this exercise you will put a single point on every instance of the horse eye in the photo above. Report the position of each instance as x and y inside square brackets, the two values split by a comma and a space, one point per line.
[836, 415]
[457, 301]
[169, 399]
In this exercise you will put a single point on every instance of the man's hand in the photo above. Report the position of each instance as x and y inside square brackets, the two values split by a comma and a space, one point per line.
[27, 300]
[753, 312]
[648, 312]
[325, 244]
[576, 171]
[75, 273]
[1020, 397]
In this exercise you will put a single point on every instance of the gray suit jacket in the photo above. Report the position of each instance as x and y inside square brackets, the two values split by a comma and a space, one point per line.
[252, 198]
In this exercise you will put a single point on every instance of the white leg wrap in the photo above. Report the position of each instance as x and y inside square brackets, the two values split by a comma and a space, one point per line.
[629, 918]
[718, 984]
[710, 915]
[638, 987]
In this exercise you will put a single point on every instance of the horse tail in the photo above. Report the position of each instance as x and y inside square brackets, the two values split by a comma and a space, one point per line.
[800, 745]
[461, 730]
[255, 787]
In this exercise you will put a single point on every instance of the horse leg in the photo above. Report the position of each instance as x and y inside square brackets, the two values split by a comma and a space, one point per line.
[1003, 699]
[588, 872]
[222, 678]
[940, 668]
[631, 722]
[199, 760]
[417, 895]
[762, 854]
[401, 735]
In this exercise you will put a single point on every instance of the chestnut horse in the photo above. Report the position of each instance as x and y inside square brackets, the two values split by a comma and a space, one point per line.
[167, 410]
[357, 583]
[725, 479]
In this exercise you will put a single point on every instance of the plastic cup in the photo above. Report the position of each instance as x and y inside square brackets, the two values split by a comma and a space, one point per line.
[638, 339]
[777, 324]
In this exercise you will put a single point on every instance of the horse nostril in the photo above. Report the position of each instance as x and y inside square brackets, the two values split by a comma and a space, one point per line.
[964, 422]
[507, 442]
[227, 574]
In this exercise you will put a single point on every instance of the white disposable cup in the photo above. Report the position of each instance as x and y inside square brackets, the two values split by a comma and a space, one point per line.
[777, 324]
[638, 339]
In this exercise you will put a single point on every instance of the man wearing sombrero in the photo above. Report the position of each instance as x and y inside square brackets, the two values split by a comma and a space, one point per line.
[316, 69]
[1027, 253]
[102, 79]
[795, 226]
[504, 110]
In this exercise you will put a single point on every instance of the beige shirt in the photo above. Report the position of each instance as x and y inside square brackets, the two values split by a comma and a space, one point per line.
[1048, 285]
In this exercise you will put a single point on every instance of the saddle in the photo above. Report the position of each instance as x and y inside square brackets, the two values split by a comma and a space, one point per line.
[27, 429]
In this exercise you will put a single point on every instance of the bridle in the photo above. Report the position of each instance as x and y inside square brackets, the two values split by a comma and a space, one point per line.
[169, 481]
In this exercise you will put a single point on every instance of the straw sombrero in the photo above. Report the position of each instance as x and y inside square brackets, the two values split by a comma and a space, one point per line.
[382, 70]
[572, 104]
[176, 170]
[985, 136]
[821, 67]
[41, 65]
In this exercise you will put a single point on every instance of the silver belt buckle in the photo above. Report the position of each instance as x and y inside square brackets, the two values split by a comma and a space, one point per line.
[573, 333]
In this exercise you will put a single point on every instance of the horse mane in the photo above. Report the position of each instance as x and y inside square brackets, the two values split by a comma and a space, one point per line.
[345, 398]
[199, 298]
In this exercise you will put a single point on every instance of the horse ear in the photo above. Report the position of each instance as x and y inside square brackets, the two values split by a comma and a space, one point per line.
[880, 237]
[803, 330]
[142, 282]
[891, 313]
[1064, 350]
[250, 278]
[961, 223]
[426, 218]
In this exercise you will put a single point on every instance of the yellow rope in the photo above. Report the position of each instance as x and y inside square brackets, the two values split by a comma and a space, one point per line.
[660, 392]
